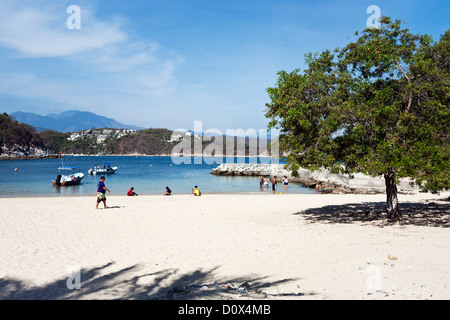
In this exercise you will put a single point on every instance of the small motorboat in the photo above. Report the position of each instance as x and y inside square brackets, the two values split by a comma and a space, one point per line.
[102, 169]
[68, 176]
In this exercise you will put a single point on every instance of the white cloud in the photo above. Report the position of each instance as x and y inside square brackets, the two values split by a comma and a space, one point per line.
[100, 64]
[107, 68]
[38, 29]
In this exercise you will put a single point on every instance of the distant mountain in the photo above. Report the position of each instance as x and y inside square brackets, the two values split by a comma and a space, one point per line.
[69, 121]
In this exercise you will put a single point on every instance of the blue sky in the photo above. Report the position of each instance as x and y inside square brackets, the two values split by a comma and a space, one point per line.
[169, 63]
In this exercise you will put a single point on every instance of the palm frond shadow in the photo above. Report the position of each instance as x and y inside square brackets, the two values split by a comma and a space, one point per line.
[130, 284]
[429, 214]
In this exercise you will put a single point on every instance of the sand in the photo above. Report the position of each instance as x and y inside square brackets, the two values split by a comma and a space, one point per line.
[224, 246]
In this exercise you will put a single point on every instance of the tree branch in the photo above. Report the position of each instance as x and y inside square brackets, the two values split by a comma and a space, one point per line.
[409, 81]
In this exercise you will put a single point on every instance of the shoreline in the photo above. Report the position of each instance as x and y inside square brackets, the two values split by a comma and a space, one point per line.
[30, 158]
[268, 192]
[263, 193]
[56, 156]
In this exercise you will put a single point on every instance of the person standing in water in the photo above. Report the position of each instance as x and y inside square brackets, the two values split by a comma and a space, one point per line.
[285, 182]
[266, 182]
[274, 184]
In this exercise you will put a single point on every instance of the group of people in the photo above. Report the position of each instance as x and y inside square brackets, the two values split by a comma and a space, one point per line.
[319, 188]
[101, 192]
[264, 182]
[168, 192]
[131, 192]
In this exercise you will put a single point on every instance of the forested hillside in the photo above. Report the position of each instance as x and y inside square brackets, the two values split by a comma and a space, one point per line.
[19, 139]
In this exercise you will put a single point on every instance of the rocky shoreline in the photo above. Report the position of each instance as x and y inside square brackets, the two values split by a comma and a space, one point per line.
[18, 152]
[331, 183]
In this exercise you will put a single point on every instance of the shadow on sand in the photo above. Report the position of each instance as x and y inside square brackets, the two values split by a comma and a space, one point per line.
[434, 213]
[130, 284]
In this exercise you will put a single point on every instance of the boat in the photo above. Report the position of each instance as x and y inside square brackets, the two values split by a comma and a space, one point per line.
[102, 169]
[68, 176]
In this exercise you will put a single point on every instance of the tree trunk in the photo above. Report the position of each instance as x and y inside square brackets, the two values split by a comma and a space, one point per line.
[391, 193]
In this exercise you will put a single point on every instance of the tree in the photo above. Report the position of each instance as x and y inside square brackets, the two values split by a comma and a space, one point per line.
[378, 106]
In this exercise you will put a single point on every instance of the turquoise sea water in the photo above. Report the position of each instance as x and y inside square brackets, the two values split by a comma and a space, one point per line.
[148, 175]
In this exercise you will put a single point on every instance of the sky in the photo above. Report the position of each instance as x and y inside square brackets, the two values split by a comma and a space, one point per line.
[168, 63]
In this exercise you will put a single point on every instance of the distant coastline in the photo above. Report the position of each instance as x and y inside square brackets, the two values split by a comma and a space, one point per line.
[29, 157]
[56, 156]
[27, 143]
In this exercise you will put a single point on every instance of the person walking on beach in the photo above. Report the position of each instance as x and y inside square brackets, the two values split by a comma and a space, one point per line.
[261, 182]
[101, 192]
[274, 184]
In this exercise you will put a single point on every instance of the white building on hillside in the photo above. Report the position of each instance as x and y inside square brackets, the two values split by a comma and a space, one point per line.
[101, 138]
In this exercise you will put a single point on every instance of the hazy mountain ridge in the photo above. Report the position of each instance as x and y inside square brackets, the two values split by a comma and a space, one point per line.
[69, 121]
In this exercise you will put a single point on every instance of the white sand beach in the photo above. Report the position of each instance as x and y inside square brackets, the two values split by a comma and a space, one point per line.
[224, 246]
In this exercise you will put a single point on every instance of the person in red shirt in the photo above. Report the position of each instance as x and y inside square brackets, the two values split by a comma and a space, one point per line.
[131, 192]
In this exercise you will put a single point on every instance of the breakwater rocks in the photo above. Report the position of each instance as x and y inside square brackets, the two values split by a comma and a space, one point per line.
[23, 152]
[331, 183]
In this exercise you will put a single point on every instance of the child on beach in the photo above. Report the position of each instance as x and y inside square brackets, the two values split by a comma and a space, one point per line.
[101, 192]
[131, 192]
[196, 191]
[168, 192]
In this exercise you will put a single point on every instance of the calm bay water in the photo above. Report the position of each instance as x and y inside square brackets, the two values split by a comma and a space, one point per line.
[148, 175]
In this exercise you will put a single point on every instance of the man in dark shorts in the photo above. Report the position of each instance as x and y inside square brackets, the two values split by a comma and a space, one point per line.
[274, 184]
[101, 190]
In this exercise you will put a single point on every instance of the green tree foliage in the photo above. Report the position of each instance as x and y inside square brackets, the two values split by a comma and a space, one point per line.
[57, 142]
[149, 141]
[379, 106]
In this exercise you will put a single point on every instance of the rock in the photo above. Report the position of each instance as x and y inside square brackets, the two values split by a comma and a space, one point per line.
[331, 183]
[18, 151]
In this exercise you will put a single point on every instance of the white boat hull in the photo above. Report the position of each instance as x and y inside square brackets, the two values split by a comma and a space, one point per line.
[102, 171]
